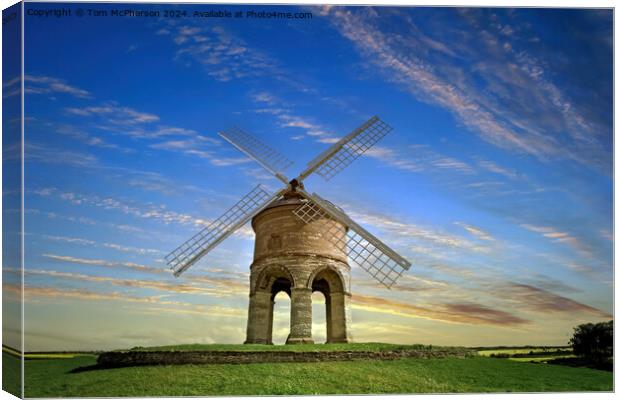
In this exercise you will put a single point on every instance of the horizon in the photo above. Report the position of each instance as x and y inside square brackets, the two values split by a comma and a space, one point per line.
[528, 346]
[495, 183]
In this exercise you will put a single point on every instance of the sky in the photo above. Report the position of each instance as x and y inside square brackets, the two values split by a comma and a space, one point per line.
[495, 183]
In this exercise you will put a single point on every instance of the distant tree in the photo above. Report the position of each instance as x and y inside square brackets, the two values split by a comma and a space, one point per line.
[593, 342]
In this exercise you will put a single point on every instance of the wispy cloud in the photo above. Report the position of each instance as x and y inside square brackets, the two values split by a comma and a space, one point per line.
[479, 233]
[548, 283]
[560, 236]
[451, 270]
[170, 287]
[142, 211]
[408, 283]
[106, 263]
[56, 216]
[152, 181]
[419, 158]
[410, 232]
[85, 221]
[165, 132]
[264, 97]
[40, 153]
[223, 55]
[116, 114]
[505, 110]
[32, 293]
[208, 311]
[418, 77]
[38, 84]
[113, 246]
[544, 301]
[496, 169]
[88, 138]
[582, 269]
[111, 117]
[466, 313]
[270, 104]
[11, 87]
[120, 120]
[223, 283]
[196, 147]
[140, 125]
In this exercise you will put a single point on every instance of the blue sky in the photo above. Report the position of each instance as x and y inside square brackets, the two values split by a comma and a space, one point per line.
[496, 182]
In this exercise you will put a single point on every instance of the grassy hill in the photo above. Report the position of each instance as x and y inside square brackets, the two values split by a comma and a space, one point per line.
[79, 376]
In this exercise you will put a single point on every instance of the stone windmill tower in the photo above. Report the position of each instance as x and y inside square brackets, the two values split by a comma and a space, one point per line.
[303, 242]
[294, 257]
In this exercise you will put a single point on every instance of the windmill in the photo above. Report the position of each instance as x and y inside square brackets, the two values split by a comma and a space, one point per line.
[303, 242]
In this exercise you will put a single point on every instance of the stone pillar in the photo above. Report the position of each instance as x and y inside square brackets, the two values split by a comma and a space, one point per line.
[258, 318]
[328, 316]
[301, 316]
[347, 316]
[340, 318]
[270, 323]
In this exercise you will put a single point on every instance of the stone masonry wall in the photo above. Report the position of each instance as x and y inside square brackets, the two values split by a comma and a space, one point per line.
[133, 358]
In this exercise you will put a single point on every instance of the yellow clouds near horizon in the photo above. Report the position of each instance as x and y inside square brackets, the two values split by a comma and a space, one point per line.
[468, 313]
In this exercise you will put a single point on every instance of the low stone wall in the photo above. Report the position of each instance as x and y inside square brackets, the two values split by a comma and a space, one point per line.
[134, 358]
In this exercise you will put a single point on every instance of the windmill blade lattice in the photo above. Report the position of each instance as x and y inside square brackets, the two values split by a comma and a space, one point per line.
[363, 248]
[269, 158]
[200, 244]
[347, 149]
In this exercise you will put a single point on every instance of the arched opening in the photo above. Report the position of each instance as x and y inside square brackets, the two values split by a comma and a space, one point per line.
[328, 282]
[271, 298]
[319, 317]
[281, 318]
[280, 315]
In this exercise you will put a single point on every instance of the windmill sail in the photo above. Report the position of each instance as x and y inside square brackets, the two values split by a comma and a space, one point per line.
[204, 241]
[346, 150]
[267, 157]
[364, 249]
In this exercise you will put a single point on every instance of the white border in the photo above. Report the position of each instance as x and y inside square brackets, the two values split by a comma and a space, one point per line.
[474, 3]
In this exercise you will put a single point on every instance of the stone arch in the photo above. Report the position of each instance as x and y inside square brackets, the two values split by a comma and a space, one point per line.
[332, 275]
[270, 281]
[269, 275]
[330, 281]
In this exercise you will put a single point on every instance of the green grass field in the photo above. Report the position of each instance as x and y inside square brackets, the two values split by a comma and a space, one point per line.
[11, 374]
[530, 354]
[75, 377]
[522, 350]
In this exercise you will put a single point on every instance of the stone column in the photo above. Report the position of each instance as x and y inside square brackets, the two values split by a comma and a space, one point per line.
[328, 316]
[258, 318]
[301, 316]
[347, 317]
[270, 323]
[340, 318]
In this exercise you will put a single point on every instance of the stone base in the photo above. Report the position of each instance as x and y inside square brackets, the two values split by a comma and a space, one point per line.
[291, 340]
[115, 359]
[257, 342]
[339, 341]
